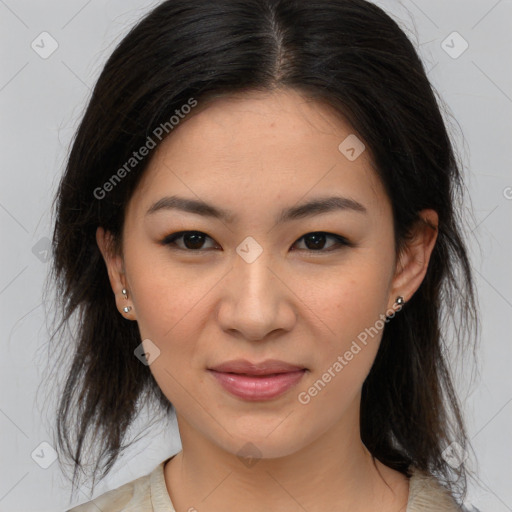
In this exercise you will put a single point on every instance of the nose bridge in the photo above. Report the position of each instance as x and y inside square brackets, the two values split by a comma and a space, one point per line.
[251, 267]
[255, 278]
[256, 302]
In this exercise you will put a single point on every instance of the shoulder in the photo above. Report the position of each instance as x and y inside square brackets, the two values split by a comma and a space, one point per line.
[134, 496]
[427, 494]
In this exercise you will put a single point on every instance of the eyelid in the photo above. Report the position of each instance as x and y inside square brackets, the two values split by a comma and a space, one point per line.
[341, 242]
[169, 240]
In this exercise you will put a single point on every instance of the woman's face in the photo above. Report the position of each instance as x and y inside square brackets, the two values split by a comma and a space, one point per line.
[270, 279]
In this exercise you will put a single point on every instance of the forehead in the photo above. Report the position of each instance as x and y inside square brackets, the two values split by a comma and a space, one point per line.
[279, 144]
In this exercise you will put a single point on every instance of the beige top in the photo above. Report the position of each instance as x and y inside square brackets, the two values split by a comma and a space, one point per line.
[149, 494]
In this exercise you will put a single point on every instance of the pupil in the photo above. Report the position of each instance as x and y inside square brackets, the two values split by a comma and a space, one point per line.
[318, 241]
[196, 240]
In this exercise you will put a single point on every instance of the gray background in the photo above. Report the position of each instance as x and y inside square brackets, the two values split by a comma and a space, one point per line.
[41, 101]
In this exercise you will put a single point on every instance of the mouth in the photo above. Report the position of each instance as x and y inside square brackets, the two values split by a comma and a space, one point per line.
[257, 381]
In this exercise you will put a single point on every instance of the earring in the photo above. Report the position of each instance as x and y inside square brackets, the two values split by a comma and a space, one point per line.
[127, 309]
[125, 293]
[399, 301]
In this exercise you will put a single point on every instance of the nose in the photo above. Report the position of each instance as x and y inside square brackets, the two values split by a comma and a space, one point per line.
[256, 300]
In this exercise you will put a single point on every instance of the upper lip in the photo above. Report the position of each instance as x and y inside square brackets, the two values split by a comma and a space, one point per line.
[267, 367]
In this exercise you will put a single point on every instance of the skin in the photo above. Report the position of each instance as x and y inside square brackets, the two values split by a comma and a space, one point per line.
[255, 154]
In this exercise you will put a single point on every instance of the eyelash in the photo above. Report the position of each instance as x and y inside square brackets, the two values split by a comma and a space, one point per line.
[169, 240]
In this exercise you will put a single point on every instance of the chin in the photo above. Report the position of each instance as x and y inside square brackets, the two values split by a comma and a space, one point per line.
[261, 446]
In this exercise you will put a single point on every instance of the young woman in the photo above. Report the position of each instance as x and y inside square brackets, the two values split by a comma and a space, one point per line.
[257, 229]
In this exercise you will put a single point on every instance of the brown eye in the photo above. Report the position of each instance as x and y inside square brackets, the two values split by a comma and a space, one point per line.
[190, 240]
[194, 241]
[316, 241]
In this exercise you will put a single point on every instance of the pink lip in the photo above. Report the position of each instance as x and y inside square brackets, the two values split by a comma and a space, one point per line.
[257, 381]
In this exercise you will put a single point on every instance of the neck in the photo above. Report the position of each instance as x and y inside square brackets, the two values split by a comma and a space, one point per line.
[336, 472]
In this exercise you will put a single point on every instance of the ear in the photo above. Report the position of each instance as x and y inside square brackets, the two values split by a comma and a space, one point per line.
[115, 269]
[414, 258]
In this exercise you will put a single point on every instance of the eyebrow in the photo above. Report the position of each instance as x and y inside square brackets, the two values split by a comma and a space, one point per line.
[312, 207]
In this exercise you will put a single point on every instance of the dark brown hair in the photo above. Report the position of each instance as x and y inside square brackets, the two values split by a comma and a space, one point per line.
[348, 54]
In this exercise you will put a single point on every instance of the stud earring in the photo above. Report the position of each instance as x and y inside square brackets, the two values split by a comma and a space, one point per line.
[127, 309]
[125, 293]
[399, 301]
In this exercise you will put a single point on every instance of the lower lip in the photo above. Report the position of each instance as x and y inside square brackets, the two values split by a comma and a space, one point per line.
[258, 388]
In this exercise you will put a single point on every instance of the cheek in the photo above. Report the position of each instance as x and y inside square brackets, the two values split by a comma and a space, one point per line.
[351, 306]
[169, 312]
[167, 297]
[352, 299]
[345, 354]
